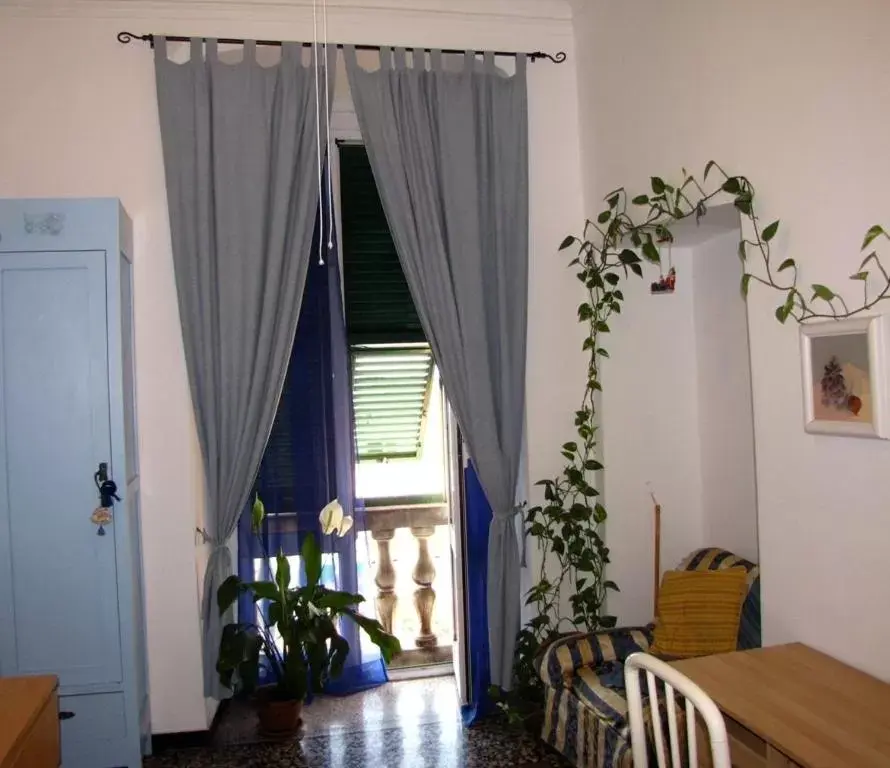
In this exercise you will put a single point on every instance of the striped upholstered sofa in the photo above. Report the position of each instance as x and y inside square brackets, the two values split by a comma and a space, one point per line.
[586, 709]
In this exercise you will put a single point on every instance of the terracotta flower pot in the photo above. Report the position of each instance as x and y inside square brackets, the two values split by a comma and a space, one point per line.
[279, 717]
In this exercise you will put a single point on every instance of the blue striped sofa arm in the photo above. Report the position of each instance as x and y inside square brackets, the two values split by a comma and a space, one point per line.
[558, 663]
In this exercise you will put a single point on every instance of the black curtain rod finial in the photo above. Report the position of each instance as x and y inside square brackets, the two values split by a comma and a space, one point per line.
[557, 58]
[128, 37]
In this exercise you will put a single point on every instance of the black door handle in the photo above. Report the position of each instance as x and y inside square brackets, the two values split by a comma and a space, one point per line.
[66, 714]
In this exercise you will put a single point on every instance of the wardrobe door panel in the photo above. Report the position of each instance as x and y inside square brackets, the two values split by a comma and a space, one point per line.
[54, 409]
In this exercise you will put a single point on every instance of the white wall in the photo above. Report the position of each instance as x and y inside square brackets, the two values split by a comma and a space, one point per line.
[795, 95]
[80, 119]
[725, 418]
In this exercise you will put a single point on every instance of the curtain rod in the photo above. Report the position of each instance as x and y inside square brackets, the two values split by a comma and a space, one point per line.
[128, 37]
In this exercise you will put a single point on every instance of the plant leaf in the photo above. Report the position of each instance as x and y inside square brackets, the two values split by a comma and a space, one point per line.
[859, 276]
[613, 200]
[282, 574]
[311, 555]
[567, 242]
[872, 233]
[641, 200]
[787, 264]
[627, 256]
[650, 251]
[388, 644]
[263, 590]
[770, 232]
[782, 313]
[732, 186]
[742, 254]
[746, 280]
[658, 185]
[822, 292]
[711, 164]
[339, 651]
[337, 601]
[604, 217]
[257, 515]
[636, 269]
[228, 593]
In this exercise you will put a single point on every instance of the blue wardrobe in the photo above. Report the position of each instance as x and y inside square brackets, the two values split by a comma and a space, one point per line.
[71, 597]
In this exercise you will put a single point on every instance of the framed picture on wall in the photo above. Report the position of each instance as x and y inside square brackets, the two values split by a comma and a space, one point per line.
[844, 365]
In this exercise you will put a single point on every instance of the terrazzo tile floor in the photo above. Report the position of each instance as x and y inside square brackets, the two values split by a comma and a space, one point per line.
[409, 724]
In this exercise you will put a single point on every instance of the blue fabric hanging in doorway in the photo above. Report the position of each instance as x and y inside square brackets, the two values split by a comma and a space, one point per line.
[478, 518]
[309, 461]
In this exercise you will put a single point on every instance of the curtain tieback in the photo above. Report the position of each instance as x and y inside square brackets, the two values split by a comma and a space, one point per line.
[517, 512]
[508, 520]
[206, 538]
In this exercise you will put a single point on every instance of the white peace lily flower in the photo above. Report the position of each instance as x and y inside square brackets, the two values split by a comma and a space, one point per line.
[331, 517]
[345, 525]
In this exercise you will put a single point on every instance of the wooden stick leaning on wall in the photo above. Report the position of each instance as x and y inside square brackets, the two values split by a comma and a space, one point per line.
[657, 563]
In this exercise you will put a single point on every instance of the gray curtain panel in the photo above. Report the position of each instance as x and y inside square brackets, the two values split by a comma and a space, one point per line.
[449, 151]
[240, 153]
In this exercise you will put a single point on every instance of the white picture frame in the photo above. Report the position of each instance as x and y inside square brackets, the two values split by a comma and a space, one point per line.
[844, 374]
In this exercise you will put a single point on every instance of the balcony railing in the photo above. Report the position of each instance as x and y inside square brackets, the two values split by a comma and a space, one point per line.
[425, 629]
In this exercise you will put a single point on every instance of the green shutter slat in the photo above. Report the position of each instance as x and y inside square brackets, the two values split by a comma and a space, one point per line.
[390, 396]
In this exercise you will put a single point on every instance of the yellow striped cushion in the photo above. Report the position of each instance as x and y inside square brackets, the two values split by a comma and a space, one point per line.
[698, 612]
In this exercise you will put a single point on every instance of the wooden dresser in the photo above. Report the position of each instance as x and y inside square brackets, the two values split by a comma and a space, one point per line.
[29, 722]
[791, 706]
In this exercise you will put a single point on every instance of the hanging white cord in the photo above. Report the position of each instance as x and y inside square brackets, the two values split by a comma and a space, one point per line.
[317, 115]
[327, 112]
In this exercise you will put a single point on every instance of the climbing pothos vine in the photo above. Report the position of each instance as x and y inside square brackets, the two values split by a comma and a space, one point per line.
[625, 236]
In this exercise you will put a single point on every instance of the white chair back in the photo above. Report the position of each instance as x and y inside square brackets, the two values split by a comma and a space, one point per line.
[697, 701]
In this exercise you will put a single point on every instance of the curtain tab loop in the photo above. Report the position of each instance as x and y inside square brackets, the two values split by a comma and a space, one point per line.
[521, 62]
[488, 62]
[386, 57]
[160, 45]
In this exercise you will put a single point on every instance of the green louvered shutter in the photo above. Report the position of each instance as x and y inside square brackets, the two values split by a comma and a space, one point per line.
[391, 362]
[390, 394]
[379, 309]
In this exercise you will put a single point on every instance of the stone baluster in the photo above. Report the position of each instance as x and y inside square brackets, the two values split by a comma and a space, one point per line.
[424, 596]
[385, 579]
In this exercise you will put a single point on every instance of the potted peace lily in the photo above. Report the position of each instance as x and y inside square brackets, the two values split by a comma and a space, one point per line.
[304, 620]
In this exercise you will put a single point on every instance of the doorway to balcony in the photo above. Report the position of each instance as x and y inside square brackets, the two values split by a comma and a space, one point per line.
[406, 510]
[407, 466]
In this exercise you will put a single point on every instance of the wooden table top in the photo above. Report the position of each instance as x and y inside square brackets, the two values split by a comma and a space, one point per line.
[816, 710]
[21, 700]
